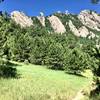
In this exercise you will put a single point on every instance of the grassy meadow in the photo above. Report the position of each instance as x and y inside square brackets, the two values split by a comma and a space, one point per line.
[39, 83]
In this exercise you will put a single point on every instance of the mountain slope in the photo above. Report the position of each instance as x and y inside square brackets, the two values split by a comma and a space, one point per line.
[82, 25]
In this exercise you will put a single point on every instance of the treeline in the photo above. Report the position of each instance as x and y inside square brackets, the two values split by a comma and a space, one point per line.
[38, 46]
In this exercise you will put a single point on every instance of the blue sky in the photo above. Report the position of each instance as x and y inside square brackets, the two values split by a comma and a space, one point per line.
[33, 7]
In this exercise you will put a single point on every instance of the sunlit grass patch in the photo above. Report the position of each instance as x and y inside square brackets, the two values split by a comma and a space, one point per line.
[40, 83]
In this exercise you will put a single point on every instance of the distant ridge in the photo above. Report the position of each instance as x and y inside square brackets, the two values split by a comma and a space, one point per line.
[82, 25]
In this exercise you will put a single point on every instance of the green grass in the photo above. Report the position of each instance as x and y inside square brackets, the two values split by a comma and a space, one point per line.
[40, 83]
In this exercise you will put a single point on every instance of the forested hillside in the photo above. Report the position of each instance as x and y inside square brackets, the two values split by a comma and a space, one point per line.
[43, 46]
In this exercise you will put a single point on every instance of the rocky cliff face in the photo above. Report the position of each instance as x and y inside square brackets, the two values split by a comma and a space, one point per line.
[81, 25]
[90, 19]
[21, 19]
[56, 24]
[81, 32]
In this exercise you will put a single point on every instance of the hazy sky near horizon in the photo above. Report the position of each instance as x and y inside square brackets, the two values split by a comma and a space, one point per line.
[33, 7]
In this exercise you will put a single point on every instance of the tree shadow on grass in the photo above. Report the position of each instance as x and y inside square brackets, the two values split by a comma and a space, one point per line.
[9, 70]
[11, 64]
[79, 75]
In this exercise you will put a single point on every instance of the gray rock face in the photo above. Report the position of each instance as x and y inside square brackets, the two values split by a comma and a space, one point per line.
[81, 32]
[21, 19]
[73, 28]
[56, 24]
[90, 19]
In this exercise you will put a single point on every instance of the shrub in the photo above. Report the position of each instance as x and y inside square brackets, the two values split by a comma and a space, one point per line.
[26, 62]
[7, 71]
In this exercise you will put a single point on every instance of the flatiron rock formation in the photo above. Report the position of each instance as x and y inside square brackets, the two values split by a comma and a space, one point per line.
[21, 19]
[81, 32]
[56, 24]
[90, 19]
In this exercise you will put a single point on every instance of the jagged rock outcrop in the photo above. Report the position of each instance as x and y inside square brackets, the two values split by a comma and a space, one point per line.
[73, 28]
[41, 18]
[56, 24]
[21, 19]
[80, 25]
[90, 19]
[81, 32]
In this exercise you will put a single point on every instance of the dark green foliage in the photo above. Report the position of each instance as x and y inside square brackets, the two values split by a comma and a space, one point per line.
[48, 25]
[38, 49]
[96, 70]
[6, 70]
[94, 54]
[55, 56]
[95, 93]
[76, 61]
[37, 23]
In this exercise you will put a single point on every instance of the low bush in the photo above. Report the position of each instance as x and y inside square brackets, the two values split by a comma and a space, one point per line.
[26, 62]
[7, 71]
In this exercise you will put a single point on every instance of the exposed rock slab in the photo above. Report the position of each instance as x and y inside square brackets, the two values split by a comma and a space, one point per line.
[56, 24]
[73, 28]
[81, 32]
[21, 19]
[90, 19]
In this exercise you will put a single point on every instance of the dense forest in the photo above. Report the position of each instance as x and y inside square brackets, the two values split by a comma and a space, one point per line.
[36, 45]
